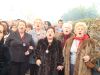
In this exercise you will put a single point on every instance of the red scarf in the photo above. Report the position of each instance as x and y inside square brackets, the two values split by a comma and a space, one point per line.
[81, 39]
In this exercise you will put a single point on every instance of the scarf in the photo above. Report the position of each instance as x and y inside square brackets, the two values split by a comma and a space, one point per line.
[65, 37]
[81, 39]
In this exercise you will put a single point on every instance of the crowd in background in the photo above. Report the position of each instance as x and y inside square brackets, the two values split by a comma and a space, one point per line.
[45, 49]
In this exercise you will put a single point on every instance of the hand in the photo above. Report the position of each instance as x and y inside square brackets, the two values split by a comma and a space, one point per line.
[38, 62]
[27, 53]
[86, 58]
[98, 69]
[31, 47]
[59, 67]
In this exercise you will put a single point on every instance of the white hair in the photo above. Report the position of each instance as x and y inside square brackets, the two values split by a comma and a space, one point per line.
[69, 25]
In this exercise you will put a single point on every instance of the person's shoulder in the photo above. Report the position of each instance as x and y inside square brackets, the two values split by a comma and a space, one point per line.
[71, 37]
[43, 31]
[28, 35]
[32, 31]
[90, 40]
[41, 41]
[57, 40]
[11, 35]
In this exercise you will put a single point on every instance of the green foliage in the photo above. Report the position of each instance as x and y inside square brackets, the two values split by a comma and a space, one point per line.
[80, 13]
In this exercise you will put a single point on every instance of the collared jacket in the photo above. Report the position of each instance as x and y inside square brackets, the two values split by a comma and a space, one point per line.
[4, 58]
[18, 46]
[87, 47]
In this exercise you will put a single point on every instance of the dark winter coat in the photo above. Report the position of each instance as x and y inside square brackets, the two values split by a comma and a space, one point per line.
[51, 59]
[18, 46]
[4, 59]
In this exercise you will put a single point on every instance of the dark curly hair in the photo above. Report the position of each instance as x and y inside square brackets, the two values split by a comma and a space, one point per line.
[51, 28]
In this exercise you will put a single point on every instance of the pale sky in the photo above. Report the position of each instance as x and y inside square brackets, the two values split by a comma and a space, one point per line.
[46, 9]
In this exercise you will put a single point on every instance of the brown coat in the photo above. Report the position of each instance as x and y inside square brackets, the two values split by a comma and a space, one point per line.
[87, 47]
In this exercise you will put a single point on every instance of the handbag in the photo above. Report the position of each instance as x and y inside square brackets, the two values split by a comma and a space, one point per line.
[90, 65]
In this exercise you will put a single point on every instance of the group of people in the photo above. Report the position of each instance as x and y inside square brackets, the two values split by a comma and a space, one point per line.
[47, 50]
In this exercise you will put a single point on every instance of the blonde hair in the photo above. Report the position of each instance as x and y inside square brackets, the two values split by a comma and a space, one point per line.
[81, 24]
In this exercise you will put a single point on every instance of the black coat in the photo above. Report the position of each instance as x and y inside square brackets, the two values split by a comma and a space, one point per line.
[51, 59]
[18, 46]
[4, 59]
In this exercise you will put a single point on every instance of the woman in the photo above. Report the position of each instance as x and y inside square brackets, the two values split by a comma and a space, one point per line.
[4, 52]
[49, 54]
[29, 27]
[67, 33]
[21, 45]
[76, 51]
[7, 30]
[46, 24]
[37, 33]
[13, 28]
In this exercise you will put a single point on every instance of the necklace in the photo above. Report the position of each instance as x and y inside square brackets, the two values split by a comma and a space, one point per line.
[47, 51]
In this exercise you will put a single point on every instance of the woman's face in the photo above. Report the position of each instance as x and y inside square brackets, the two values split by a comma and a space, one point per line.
[50, 33]
[80, 31]
[28, 29]
[1, 32]
[14, 28]
[38, 24]
[46, 25]
[66, 30]
[21, 27]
